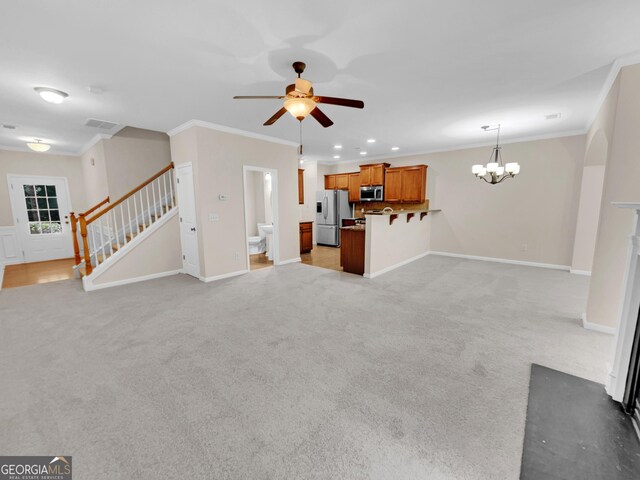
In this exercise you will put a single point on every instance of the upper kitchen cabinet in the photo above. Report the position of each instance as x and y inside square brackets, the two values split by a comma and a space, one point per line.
[300, 186]
[342, 181]
[354, 187]
[372, 175]
[329, 182]
[406, 184]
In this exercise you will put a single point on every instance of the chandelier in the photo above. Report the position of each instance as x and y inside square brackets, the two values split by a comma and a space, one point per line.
[495, 172]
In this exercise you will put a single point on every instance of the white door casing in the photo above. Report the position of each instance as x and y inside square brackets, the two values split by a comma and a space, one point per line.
[187, 213]
[40, 207]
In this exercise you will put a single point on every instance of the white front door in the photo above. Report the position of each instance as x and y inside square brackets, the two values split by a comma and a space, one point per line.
[187, 213]
[40, 208]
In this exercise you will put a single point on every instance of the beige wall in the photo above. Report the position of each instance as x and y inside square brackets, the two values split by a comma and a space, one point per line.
[528, 218]
[94, 170]
[133, 155]
[588, 216]
[308, 209]
[25, 163]
[620, 120]
[218, 159]
[158, 253]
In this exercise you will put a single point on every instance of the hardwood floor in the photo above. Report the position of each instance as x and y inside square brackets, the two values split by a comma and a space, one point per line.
[258, 261]
[323, 257]
[23, 274]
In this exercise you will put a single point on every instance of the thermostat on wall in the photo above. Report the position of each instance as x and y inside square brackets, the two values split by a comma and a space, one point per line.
[223, 197]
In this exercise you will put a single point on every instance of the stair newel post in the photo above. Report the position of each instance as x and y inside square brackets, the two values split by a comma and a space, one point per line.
[74, 231]
[88, 268]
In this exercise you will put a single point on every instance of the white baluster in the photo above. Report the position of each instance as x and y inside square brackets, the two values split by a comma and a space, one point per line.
[135, 208]
[148, 206]
[173, 201]
[155, 206]
[124, 228]
[115, 229]
[129, 216]
[101, 244]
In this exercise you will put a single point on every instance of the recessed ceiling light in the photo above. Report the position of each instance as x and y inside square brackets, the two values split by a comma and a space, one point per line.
[395, 148]
[51, 95]
[336, 156]
[371, 140]
[337, 147]
[301, 161]
[38, 146]
[363, 153]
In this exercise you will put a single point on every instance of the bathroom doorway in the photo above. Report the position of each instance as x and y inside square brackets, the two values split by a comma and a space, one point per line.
[260, 217]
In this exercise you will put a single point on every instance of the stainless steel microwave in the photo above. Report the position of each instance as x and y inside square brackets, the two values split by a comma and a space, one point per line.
[372, 194]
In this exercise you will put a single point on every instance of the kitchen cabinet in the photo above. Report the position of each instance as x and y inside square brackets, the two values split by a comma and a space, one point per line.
[406, 184]
[354, 187]
[306, 237]
[372, 175]
[300, 186]
[352, 249]
[329, 182]
[342, 181]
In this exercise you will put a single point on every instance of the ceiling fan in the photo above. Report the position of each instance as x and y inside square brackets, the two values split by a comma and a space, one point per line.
[300, 100]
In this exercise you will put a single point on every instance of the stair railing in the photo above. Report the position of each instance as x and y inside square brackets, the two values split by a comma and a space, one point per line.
[106, 231]
[73, 220]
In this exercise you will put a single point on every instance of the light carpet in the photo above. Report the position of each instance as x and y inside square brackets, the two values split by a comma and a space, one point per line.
[292, 372]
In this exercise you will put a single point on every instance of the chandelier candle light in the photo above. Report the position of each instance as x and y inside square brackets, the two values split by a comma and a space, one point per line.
[495, 172]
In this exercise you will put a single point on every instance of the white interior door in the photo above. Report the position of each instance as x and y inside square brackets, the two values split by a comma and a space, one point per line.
[187, 213]
[40, 207]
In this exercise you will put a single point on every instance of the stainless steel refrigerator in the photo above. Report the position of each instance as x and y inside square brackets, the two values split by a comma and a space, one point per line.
[331, 207]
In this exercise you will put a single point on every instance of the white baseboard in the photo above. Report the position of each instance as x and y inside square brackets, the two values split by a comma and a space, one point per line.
[223, 276]
[552, 266]
[596, 327]
[580, 272]
[291, 260]
[393, 267]
[90, 286]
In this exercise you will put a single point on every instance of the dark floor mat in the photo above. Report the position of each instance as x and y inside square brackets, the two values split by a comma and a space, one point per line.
[575, 431]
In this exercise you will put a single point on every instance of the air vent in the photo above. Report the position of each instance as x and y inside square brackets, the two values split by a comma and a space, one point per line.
[9, 127]
[553, 116]
[102, 124]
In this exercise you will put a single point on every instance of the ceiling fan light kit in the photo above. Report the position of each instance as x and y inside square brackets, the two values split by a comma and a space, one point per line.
[495, 172]
[300, 101]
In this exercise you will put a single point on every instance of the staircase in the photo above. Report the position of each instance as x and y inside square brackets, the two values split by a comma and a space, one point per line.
[109, 229]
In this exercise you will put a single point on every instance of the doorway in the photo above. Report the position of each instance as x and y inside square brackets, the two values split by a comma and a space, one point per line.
[40, 207]
[261, 217]
[187, 216]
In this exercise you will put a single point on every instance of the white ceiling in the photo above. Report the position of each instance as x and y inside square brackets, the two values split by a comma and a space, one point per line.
[430, 73]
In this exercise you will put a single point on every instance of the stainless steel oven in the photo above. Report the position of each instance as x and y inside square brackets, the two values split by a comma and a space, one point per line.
[372, 194]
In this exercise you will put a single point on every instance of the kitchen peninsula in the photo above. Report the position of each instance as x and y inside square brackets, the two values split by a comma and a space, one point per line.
[388, 240]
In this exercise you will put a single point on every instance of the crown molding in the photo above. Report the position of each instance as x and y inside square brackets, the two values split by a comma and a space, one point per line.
[225, 129]
[614, 71]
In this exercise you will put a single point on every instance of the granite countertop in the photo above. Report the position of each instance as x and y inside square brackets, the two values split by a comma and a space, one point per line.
[354, 227]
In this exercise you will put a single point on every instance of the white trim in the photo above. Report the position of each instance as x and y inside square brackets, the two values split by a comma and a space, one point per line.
[1, 275]
[397, 265]
[11, 232]
[223, 276]
[93, 141]
[586, 273]
[291, 260]
[552, 266]
[91, 287]
[531, 138]
[275, 240]
[616, 66]
[124, 249]
[225, 129]
[596, 327]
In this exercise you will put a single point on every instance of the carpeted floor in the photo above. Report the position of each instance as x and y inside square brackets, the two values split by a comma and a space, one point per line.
[291, 372]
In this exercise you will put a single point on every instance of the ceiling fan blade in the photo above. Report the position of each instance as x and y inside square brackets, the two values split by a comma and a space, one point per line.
[343, 102]
[275, 117]
[321, 117]
[253, 97]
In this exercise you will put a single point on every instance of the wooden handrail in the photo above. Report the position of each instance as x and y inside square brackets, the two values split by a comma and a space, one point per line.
[135, 190]
[95, 207]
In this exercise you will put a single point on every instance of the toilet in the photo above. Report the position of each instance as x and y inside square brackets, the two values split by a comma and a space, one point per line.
[258, 244]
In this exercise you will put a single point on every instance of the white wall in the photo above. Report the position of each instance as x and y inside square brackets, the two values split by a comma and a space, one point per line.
[218, 158]
[308, 209]
[528, 218]
[255, 207]
[26, 163]
[94, 170]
